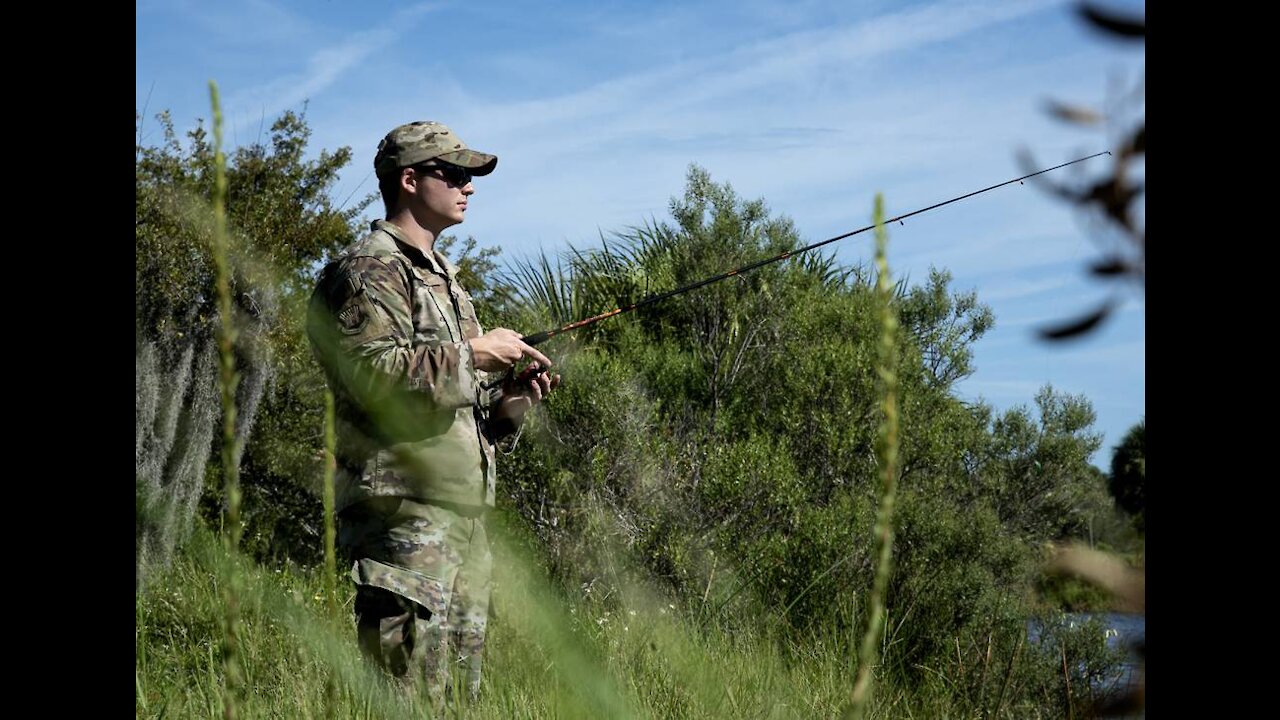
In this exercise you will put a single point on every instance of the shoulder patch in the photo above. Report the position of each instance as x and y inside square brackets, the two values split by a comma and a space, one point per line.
[352, 317]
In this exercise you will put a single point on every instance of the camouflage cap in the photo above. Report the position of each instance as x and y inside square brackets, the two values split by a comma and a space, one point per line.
[423, 140]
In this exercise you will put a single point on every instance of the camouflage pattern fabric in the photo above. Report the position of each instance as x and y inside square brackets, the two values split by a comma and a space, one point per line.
[389, 325]
[424, 576]
[424, 140]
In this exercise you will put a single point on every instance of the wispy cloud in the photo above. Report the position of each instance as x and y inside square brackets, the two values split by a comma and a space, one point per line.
[1021, 289]
[748, 114]
[619, 107]
[1063, 309]
[237, 23]
[325, 66]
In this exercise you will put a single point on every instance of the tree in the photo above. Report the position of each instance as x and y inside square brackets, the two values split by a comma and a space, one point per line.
[1042, 483]
[1128, 479]
[282, 224]
[945, 326]
[725, 436]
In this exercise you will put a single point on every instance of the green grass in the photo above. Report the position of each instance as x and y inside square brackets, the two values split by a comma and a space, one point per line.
[548, 655]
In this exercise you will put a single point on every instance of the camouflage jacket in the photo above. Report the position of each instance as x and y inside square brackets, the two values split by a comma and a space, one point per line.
[389, 326]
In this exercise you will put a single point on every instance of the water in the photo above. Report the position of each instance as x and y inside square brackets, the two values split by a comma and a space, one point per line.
[1122, 631]
[1126, 632]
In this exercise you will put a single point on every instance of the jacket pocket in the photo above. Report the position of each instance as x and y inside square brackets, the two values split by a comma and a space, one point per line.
[429, 323]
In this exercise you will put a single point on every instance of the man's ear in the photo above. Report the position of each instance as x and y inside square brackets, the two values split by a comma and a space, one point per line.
[409, 180]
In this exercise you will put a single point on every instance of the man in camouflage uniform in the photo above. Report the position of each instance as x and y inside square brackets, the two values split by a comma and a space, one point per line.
[417, 418]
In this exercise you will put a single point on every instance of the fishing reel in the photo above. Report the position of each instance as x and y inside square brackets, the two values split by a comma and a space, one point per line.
[528, 373]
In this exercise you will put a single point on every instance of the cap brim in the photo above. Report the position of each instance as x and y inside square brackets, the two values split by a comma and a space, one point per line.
[477, 162]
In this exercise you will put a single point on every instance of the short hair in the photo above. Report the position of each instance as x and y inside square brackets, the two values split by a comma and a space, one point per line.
[389, 184]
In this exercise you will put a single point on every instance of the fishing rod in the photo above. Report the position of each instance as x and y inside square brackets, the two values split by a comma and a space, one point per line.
[541, 337]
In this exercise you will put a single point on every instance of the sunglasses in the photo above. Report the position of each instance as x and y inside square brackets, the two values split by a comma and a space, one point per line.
[452, 174]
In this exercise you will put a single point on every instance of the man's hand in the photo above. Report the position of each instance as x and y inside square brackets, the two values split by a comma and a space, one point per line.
[501, 348]
[521, 393]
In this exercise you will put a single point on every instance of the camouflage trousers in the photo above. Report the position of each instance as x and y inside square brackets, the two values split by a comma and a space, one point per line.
[423, 575]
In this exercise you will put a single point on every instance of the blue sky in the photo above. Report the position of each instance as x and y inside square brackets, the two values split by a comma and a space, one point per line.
[597, 109]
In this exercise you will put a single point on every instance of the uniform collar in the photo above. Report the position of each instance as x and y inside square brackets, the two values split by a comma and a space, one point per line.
[438, 263]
